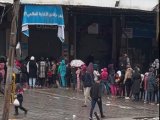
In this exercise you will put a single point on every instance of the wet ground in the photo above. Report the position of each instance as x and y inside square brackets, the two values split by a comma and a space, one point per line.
[62, 104]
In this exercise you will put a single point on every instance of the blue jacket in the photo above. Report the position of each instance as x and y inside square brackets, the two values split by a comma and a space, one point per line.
[62, 68]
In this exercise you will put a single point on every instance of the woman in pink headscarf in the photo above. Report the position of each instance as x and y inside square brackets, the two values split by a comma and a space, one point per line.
[2, 73]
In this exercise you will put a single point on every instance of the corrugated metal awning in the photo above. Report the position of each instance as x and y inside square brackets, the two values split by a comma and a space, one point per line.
[146, 5]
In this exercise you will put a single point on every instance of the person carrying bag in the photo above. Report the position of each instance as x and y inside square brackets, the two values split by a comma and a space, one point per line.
[19, 98]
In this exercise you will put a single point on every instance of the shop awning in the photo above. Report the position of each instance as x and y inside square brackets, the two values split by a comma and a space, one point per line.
[146, 5]
[43, 15]
[6, 1]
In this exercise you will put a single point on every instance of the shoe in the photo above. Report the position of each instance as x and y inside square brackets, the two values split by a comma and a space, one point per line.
[90, 118]
[103, 116]
[152, 103]
[26, 112]
[16, 114]
[84, 105]
[127, 98]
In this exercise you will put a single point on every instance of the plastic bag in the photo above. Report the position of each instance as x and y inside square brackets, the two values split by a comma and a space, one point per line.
[16, 102]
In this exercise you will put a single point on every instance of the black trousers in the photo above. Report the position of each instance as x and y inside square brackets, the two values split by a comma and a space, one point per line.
[42, 81]
[20, 107]
[93, 103]
[128, 85]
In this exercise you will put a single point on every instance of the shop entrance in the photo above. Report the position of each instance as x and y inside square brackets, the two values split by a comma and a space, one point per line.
[43, 42]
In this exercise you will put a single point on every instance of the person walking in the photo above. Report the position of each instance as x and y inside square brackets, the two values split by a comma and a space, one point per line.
[32, 71]
[87, 83]
[19, 97]
[96, 97]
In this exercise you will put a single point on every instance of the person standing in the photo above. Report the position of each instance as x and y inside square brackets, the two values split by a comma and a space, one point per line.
[157, 90]
[127, 81]
[23, 76]
[96, 97]
[105, 85]
[111, 79]
[19, 96]
[32, 71]
[78, 71]
[151, 85]
[2, 77]
[136, 79]
[73, 79]
[96, 73]
[146, 87]
[68, 75]
[62, 72]
[42, 68]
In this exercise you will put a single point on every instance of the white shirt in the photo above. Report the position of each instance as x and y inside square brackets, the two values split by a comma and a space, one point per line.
[96, 74]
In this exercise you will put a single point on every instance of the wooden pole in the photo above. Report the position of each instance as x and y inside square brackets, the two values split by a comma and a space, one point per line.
[12, 45]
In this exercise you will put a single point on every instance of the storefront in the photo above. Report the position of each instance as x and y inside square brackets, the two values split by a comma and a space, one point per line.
[91, 28]
[44, 27]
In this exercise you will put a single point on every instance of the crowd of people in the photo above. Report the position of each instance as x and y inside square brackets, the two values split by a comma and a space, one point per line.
[126, 82]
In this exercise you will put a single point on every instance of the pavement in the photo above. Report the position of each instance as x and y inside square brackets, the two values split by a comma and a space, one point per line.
[62, 104]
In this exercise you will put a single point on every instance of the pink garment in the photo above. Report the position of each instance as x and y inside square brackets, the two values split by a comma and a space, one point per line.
[104, 74]
[17, 63]
[2, 71]
[145, 81]
[113, 90]
[78, 78]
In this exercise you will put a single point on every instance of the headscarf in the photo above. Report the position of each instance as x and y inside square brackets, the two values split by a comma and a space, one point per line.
[90, 68]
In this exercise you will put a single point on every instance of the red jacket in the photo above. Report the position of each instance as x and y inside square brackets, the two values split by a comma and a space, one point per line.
[104, 74]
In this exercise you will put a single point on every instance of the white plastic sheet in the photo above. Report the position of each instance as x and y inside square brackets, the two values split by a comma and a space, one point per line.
[147, 5]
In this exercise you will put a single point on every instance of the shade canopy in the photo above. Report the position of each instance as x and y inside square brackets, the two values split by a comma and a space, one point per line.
[146, 5]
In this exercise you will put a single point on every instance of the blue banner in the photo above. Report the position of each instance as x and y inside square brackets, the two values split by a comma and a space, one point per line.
[144, 30]
[43, 15]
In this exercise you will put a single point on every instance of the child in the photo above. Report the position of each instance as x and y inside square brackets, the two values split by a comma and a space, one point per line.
[49, 76]
[96, 95]
[19, 95]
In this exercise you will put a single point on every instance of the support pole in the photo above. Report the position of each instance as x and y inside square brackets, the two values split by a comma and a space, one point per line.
[12, 45]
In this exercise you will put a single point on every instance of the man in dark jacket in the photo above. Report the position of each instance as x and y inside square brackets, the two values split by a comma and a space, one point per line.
[32, 71]
[96, 96]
